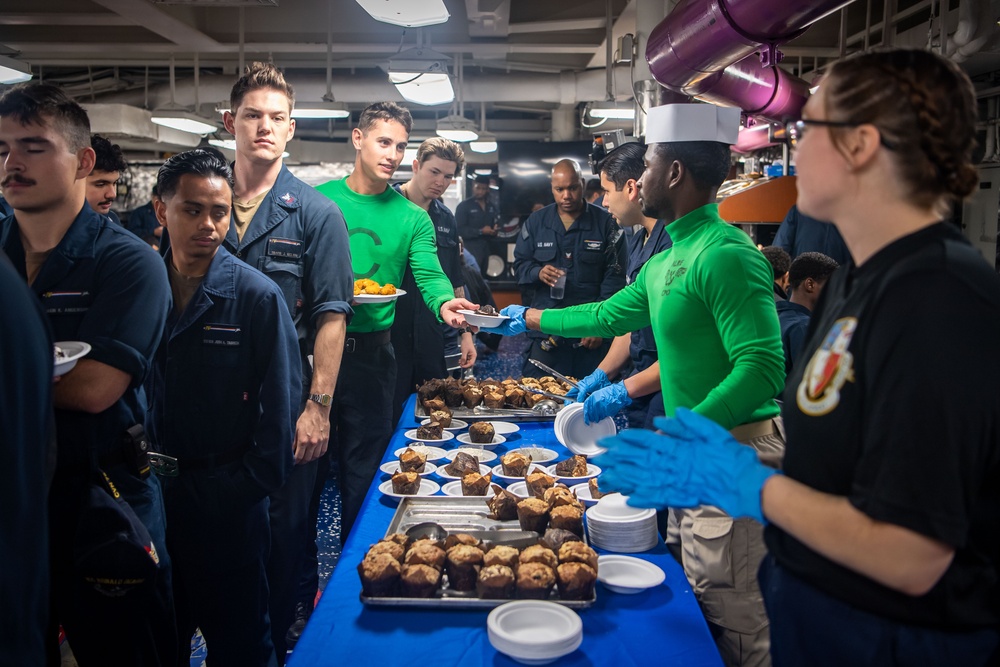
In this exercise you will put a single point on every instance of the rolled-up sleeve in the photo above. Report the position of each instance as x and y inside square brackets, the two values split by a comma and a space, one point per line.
[329, 279]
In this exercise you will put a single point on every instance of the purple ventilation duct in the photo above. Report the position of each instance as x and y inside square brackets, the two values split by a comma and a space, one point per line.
[706, 50]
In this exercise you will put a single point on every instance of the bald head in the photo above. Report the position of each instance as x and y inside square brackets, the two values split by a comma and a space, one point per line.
[567, 186]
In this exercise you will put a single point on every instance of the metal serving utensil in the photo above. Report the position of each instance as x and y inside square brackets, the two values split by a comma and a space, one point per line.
[554, 373]
[545, 393]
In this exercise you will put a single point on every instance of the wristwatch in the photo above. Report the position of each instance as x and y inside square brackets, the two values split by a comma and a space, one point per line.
[323, 399]
[468, 330]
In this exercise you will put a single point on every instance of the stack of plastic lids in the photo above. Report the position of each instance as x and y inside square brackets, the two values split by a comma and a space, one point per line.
[534, 632]
[615, 526]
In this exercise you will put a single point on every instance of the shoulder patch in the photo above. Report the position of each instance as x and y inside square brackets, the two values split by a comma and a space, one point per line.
[829, 368]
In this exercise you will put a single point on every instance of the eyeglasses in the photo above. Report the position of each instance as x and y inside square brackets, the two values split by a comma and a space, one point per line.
[796, 128]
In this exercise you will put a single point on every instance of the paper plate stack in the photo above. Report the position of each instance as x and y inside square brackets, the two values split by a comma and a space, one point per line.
[615, 526]
[534, 632]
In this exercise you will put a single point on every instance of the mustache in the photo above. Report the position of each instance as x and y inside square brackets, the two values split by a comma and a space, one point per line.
[106, 202]
[15, 178]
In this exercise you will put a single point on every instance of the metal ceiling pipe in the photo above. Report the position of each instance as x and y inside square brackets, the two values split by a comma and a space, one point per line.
[691, 51]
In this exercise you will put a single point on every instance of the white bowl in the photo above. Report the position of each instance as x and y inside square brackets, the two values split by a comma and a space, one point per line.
[628, 575]
[537, 454]
[505, 428]
[441, 472]
[427, 488]
[74, 350]
[445, 436]
[519, 489]
[582, 493]
[433, 453]
[392, 467]
[484, 455]
[578, 437]
[534, 632]
[498, 472]
[456, 424]
[455, 489]
[592, 471]
[466, 439]
[487, 321]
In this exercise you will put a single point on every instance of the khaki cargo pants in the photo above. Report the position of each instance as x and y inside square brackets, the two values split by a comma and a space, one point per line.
[721, 555]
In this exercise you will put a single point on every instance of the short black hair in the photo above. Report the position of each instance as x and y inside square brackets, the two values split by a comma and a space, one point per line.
[204, 162]
[109, 155]
[483, 179]
[779, 259]
[707, 162]
[813, 265]
[624, 163]
[593, 187]
[37, 103]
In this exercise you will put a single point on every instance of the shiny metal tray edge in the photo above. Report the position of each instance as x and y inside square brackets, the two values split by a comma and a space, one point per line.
[467, 414]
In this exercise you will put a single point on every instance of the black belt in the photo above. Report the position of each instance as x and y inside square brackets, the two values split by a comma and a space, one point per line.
[187, 464]
[363, 342]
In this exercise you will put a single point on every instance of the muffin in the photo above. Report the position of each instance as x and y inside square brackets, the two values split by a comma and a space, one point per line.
[555, 538]
[515, 464]
[463, 563]
[442, 417]
[430, 390]
[533, 514]
[379, 575]
[386, 547]
[493, 399]
[572, 467]
[501, 554]
[595, 491]
[578, 552]
[430, 431]
[503, 506]
[576, 581]
[538, 482]
[425, 552]
[462, 464]
[487, 309]
[462, 538]
[452, 393]
[537, 553]
[495, 582]
[406, 483]
[568, 518]
[481, 432]
[472, 396]
[411, 460]
[434, 404]
[419, 581]
[514, 397]
[560, 495]
[534, 581]
[401, 539]
[474, 484]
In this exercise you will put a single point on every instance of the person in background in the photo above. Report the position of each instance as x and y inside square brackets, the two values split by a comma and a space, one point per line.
[576, 244]
[387, 231]
[415, 328]
[780, 263]
[298, 239]
[638, 392]
[594, 193]
[806, 279]
[881, 533]
[143, 223]
[477, 220]
[224, 395]
[800, 233]
[98, 284]
[5, 208]
[709, 301]
[102, 183]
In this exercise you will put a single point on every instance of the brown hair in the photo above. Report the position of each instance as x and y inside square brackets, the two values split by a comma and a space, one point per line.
[260, 75]
[43, 103]
[924, 107]
[384, 111]
[446, 149]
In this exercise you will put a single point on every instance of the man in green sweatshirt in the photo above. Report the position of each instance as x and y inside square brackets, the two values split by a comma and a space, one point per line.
[387, 232]
[708, 300]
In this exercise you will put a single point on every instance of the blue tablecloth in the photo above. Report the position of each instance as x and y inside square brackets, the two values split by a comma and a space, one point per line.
[661, 626]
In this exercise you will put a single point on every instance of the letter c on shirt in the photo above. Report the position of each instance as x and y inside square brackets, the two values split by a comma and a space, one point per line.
[376, 241]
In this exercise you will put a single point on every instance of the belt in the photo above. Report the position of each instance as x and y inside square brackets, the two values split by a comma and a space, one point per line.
[362, 342]
[187, 464]
[753, 430]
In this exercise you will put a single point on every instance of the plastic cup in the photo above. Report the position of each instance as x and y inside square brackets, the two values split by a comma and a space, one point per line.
[558, 291]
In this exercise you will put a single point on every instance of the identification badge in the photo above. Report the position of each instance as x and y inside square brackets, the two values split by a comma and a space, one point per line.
[593, 245]
[66, 303]
[221, 335]
[287, 248]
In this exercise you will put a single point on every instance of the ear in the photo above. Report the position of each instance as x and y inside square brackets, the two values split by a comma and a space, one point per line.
[229, 122]
[356, 137]
[676, 173]
[161, 211]
[631, 190]
[416, 165]
[86, 159]
[860, 145]
[291, 128]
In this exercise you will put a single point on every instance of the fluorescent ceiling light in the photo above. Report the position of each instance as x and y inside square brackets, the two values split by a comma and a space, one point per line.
[484, 172]
[179, 118]
[422, 88]
[457, 128]
[407, 13]
[485, 143]
[13, 71]
[321, 110]
[612, 110]
[228, 144]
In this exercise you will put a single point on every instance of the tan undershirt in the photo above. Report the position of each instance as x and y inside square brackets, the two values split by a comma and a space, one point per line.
[182, 287]
[244, 211]
[33, 263]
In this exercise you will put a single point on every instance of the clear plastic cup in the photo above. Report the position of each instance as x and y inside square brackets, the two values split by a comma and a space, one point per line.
[558, 291]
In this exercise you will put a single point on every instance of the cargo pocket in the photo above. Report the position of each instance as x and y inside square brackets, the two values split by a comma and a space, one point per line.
[288, 276]
[706, 551]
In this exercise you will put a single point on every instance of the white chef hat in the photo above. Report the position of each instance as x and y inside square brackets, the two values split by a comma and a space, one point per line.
[692, 122]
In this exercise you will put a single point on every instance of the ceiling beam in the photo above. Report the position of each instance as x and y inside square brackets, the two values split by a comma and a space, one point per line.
[76, 19]
[27, 49]
[558, 26]
[163, 24]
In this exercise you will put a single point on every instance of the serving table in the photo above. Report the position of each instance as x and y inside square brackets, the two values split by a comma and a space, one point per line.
[659, 626]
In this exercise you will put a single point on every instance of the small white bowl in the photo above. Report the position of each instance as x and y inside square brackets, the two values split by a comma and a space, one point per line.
[392, 467]
[534, 632]
[456, 424]
[582, 493]
[486, 321]
[74, 350]
[579, 437]
[455, 489]
[483, 470]
[627, 574]
[519, 489]
[592, 471]
[498, 472]
[466, 439]
[505, 428]
[433, 453]
[445, 436]
[484, 455]
[426, 488]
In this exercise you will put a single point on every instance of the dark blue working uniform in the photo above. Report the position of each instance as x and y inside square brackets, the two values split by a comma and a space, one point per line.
[298, 239]
[794, 320]
[415, 327]
[642, 347]
[471, 218]
[592, 252]
[799, 233]
[223, 401]
[103, 286]
[142, 222]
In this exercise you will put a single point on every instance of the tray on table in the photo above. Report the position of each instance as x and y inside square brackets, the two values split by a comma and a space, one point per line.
[457, 515]
[493, 414]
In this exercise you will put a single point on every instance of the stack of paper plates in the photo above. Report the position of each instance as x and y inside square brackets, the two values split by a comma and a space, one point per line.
[615, 526]
[534, 632]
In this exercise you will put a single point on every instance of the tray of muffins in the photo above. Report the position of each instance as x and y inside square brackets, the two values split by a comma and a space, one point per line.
[475, 552]
[474, 400]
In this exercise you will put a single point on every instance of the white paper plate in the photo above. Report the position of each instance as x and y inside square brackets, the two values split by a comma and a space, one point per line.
[537, 454]
[592, 471]
[392, 467]
[505, 428]
[628, 574]
[534, 632]
[484, 455]
[578, 437]
[456, 424]
[497, 440]
[483, 469]
[498, 472]
[378, 298]
[427, 488]
[455, 489]
[433, 453]
[74, 351]
[582, 492]
[519, 489]
[488, 321]
[445, 436]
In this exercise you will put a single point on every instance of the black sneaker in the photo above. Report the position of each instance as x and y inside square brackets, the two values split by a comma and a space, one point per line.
[302, 613]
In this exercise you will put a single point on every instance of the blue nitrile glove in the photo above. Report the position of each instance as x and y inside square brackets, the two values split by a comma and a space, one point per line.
[588, 385]
[606, 402]
[515, 325]
[693, 462]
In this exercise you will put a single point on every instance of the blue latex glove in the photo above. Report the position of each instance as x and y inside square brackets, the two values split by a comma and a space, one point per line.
[588, 385]
[515, 325]
[606, 402]
[693, 462]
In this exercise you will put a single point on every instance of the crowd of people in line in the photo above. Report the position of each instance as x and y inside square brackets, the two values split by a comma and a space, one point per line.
[828, 482]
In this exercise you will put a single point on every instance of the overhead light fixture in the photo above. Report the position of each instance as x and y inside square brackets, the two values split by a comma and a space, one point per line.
[228, 144]
[407, 13]
[181, 118]
[324, 109]
[483, 172]
[485, 143]
[612, 110]
[421, 76]
[457, 128]
[14, 71]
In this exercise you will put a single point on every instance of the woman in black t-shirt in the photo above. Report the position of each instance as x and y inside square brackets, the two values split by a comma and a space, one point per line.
[884, 530]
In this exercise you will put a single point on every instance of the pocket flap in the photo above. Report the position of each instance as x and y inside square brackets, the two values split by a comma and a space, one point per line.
[272, 265]
[712, 528]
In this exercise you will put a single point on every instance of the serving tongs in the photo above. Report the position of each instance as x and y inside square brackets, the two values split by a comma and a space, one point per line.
[547, 394]
[554, 373]
[546, 407]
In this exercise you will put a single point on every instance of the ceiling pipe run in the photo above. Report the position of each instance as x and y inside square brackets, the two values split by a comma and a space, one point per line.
[694, 49]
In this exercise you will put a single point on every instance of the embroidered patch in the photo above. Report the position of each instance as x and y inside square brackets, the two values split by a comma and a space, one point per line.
[287, 248]
[829, 368]
[592, 245]
[287, 198]
[223, 335]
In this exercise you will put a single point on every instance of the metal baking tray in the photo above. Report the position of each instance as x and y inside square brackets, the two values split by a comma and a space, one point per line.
[491, 414]
[456, 515]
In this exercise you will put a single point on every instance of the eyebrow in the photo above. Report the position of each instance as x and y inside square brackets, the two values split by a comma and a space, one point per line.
[29, 140]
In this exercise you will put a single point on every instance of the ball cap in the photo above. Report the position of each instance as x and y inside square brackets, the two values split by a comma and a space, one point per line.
[692, 122]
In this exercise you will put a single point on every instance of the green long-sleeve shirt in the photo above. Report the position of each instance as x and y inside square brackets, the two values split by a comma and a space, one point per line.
[708, 299]
[386, 232]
